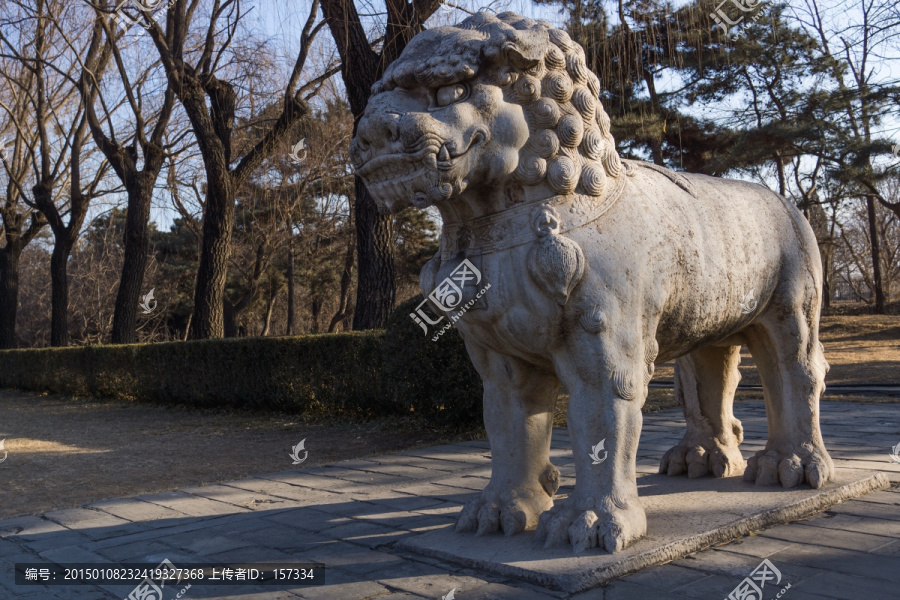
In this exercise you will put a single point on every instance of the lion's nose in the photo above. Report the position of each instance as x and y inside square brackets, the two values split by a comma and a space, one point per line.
[379, 129]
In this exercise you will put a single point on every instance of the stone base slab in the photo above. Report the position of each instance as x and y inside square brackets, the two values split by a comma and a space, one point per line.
[684, 516]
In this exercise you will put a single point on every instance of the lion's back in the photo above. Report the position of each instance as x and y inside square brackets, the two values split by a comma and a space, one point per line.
[692, 248]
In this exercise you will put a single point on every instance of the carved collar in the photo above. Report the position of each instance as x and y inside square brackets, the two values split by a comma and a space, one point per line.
[526, 222]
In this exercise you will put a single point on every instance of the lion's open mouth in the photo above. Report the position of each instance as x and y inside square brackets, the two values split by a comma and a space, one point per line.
[422, 177]
[396, 167]
[393, 178]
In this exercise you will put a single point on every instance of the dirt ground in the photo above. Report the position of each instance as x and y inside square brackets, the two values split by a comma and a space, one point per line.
[64, 452]
[860, 349]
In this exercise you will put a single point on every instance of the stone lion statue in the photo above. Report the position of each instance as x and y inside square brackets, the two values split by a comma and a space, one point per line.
[598, 268]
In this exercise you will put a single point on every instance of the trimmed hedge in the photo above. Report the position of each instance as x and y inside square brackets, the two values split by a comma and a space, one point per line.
[315, 374]
[357, 375]
[433, 378]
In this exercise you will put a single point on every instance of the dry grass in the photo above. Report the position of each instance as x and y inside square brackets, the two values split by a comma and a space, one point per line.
[860, 349]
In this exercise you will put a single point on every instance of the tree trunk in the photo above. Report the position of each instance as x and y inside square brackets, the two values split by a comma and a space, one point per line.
[9, 294]
[218, 221]
[315, 308]
[346, 279]
[826, 251]
[64, 237]
[291, 282]
[135, 263]
[655, 143]
[779, 170]
[59, 293]
[876, 256]
[270, 308]
[375, 251]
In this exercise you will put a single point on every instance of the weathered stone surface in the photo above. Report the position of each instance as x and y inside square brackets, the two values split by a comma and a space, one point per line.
[682, 520]
[561, 264]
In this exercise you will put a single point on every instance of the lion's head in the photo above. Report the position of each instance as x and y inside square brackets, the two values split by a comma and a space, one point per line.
[493, 103]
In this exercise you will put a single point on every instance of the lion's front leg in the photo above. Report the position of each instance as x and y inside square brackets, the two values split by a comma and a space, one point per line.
[607, 387]
[518, 416]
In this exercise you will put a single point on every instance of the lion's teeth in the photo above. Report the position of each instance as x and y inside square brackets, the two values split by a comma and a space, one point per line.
[444, 154]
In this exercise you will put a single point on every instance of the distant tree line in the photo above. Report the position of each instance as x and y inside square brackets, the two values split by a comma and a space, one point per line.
[111, 113]
[795, 95]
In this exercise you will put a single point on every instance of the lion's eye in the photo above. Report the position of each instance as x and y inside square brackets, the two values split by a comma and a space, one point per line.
[449, 94]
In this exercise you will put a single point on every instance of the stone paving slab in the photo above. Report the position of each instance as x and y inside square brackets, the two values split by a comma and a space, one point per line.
[355, 515]
[683, 516]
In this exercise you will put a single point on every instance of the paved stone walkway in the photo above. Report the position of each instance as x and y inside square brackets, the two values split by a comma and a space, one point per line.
[348, 516]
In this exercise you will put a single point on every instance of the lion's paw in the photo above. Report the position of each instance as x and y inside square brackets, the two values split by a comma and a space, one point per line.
[791, 467]
[509, 511]
[586, 525]
[700, 459]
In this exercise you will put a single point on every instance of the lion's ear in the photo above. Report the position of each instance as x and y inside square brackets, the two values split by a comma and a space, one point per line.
[527, 49]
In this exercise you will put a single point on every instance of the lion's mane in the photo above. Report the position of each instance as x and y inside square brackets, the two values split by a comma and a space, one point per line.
[539, 67]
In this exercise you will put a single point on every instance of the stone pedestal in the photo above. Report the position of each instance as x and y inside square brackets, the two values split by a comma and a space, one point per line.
[683, 516]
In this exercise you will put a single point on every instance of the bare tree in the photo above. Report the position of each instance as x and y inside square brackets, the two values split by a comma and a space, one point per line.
[125, 140]
[20, 223]
[361, 66]
[854, 252]
[195, 72]
[853, 48]
[53, 58]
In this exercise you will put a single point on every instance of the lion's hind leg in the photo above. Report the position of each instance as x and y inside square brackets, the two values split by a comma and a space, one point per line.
[705, 382]
[792, 367]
